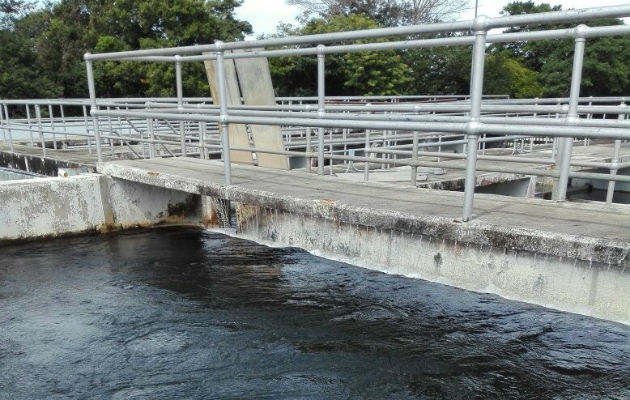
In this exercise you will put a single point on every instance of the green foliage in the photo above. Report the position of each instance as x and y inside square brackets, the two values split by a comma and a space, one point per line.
[439, 70]
[18, 78]
[58, 35]
[369, 73]
[384, 12]
[12, 10]
[42, 52]
[506, 75]
[606, 68]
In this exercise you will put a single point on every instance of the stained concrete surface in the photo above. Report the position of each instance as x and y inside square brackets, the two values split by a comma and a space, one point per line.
[589, 232]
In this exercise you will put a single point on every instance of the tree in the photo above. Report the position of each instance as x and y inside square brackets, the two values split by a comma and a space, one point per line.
[60, 33]
[439, 70]
[606, 69]
[20, 74]
[504, 74]
[384, 12]
[365, 73]
[11, 10]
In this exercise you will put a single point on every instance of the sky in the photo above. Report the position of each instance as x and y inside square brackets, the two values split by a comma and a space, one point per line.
[265, 15]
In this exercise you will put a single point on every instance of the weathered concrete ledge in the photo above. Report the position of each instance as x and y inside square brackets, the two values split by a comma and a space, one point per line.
[38, 164]
[612, 249]
[562, 283]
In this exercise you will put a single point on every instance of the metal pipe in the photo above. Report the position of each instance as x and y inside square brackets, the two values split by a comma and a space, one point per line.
[93, 107]
[459, 107]
[476, 89]
[6, 120]
[30, 128]
[408, 44]
[87, 128]
[202, 141]
[180, 99]
[566, 144]
[308, 149]
[610, 192]
[560, 131]
[366, 166]
[414, 155]
[51, 118]
[540, 18]
[225, 138]
[38, 115]
[321, 111]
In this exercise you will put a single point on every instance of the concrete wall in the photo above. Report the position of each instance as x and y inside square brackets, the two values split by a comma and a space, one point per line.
[525, 187]
[47, 206]
[44, 207]
[588, 288]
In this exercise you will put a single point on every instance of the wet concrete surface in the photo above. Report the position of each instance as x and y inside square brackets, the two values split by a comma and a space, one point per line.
[182, 313]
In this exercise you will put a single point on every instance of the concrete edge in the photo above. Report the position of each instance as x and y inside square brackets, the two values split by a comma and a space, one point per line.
[543, 242]
[39, 164]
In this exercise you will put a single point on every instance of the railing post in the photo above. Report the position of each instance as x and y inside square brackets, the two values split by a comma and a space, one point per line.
[7, 121]
[28, 121]
[110, 132]
[4, 135]
[225, 139]
[180, 100]
[93, 108]
[152, 150]
[414, 156]
[87, 129]
[51, 118]
[321, 98]
[614, 167]
[366, 165]
[480, 26]
[308, 150]
[566, 144]
[38, 115]
[63, 123]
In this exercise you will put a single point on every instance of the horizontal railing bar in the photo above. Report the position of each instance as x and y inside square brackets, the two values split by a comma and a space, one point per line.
[612, 123]
[590, 32]
[489, 99]
[542, 130]
[496, 22]
[418, 108]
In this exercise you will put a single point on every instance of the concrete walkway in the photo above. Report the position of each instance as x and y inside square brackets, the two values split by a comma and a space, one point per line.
[586, 231]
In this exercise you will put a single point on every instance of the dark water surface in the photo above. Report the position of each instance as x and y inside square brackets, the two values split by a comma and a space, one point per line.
[169, 314]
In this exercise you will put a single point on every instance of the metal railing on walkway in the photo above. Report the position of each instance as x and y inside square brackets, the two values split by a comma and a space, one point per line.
[396, 128]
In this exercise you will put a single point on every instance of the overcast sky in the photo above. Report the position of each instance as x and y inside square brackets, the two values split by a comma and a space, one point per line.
[265, 15]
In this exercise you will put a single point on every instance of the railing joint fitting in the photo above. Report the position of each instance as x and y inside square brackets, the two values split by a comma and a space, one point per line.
[580, 32]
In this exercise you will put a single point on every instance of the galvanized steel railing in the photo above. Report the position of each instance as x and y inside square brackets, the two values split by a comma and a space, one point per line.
[475, 118]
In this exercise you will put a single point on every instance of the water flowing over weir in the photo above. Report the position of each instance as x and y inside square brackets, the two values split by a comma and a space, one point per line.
[183, 313]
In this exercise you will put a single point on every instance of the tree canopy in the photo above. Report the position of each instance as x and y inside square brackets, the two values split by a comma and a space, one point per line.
[50, 43]
[384, 12]
[606, 69]
[369, 73]
[42, 50]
